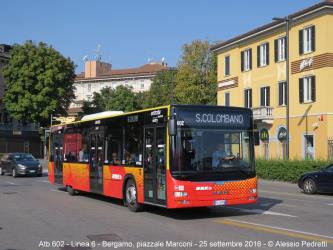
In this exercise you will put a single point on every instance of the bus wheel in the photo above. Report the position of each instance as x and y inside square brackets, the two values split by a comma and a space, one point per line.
[131, 196]
[71, 191]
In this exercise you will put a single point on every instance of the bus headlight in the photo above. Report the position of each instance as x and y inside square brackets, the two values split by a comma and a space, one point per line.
[179, 194]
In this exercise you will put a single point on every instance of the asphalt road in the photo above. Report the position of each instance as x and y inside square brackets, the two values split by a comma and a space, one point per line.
[37, 215]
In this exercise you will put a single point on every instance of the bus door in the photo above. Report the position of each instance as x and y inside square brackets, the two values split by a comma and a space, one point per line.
[96, 159]
[57, 147]
[155, 165]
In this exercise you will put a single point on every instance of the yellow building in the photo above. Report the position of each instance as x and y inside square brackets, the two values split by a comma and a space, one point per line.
[252, 73]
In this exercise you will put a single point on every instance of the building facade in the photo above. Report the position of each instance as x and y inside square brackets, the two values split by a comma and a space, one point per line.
[15, 136]
[253, 66]
[98, 75]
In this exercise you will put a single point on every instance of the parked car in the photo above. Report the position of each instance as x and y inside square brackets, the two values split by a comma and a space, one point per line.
[320, 181]
[20, 164]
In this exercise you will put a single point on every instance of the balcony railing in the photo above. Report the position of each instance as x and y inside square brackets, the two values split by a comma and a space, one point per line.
[19, 127]
[263, 114]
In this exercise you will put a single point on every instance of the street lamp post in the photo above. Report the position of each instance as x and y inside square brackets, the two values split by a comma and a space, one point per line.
[287, 20]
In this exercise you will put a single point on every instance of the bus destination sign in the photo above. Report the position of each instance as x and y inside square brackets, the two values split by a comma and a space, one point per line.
[213, 117]
[231, 119]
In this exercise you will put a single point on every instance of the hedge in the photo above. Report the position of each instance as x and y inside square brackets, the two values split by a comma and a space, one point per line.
[283, 170]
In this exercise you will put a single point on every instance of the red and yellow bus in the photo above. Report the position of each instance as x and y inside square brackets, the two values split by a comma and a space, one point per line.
[175, 156]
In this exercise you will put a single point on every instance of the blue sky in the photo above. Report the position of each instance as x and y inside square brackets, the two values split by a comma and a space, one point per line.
[130, 32]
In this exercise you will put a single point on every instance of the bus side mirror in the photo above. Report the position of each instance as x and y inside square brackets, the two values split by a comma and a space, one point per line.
[256, 138]
[172, 125]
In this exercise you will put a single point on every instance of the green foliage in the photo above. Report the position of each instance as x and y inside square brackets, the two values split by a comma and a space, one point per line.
[283, 170]
[121, 98]
[161, 90]
[39, 82]
[197, 74]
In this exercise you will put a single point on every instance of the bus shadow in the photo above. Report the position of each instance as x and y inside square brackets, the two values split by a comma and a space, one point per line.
[263, 205]
[98, 197]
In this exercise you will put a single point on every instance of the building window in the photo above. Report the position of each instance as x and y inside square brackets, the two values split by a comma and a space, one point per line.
[264, 96]
[227, 99]
[280, 49]
[307, 89]
[89, 97]
[308, 147]
[227, 65]
[307, 40]
[89, 87]
[282, 93]
[263, 55]
[246, 60]
[248, 98]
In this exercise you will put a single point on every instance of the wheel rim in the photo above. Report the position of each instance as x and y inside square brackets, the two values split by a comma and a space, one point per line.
[14, 172]
[308, 186]
[0, 171]
[131, 195]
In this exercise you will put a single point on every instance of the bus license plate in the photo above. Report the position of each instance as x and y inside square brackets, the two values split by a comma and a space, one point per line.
[220, 202]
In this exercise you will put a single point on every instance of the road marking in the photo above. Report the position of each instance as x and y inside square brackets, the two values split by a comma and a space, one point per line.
[261, 211]
[285, 205]
[42, 181]
[330, 204]
[55, 190]
[11, 183]
[278, 230]
[297, 195]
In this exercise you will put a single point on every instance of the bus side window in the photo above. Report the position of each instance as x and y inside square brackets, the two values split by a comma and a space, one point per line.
[114, 137]
[83, 151]
[133, 144]
[114, 141]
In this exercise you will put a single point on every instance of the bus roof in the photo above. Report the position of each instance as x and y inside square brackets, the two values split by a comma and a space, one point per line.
[101, 114]
[92, 117]
[106, 114]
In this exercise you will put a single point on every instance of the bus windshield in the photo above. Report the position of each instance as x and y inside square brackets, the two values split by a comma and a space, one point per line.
[212, 153]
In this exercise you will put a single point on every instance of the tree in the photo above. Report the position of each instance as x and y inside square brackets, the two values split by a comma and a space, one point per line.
[122, 98]
[197, 74]
[161, 90]
[39, 82]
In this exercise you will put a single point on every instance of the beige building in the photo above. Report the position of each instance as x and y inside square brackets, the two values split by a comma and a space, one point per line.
[252, 73]
[98, 75]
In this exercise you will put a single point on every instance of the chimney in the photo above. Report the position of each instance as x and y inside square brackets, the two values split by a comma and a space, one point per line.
[96, 68]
